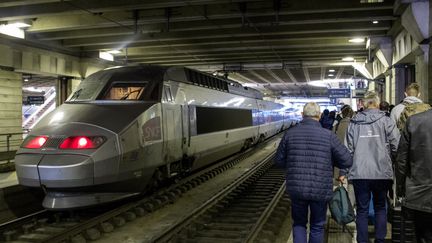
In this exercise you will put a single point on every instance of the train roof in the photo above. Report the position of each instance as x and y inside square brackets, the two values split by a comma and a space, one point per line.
[185, 75]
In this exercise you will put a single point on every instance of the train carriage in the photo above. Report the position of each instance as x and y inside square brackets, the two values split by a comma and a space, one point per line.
[127, 128]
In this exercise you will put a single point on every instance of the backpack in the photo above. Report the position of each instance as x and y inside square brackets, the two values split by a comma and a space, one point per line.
[409, 110]
[340, 206]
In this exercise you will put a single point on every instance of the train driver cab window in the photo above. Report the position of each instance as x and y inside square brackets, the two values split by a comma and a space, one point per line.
[125, 91]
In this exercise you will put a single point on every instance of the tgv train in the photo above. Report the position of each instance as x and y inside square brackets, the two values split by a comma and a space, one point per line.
[127, 128]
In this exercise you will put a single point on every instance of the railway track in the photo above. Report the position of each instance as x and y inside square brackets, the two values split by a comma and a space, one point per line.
[252, 209]
[77, 227]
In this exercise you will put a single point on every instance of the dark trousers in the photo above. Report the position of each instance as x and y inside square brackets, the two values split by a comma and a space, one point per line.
[423, 226]
[318, 213]
[363, 190]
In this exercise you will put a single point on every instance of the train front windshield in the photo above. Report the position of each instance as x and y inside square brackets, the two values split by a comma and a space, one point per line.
[115, 86]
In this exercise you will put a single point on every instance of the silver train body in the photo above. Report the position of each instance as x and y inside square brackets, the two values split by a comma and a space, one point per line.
[126, 128]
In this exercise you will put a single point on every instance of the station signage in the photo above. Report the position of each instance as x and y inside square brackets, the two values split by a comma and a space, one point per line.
[35, 100]
[339, 93]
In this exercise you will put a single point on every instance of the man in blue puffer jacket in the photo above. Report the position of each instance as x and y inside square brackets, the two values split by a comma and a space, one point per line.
[308, 154]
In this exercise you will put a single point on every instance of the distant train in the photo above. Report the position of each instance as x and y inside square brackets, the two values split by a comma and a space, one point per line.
[125, 129]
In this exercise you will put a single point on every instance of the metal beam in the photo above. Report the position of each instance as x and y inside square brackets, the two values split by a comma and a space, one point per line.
[290, 75]
[306, 74]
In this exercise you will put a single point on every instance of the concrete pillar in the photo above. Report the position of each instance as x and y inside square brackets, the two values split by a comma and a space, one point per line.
[62, 88]
[10, 108]
[388, 84]
[422, 73]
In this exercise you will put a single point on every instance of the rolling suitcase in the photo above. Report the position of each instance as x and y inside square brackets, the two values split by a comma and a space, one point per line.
[401, 220]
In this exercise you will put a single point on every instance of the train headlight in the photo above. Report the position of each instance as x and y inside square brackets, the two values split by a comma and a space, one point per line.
[34, 142]
[82, 142]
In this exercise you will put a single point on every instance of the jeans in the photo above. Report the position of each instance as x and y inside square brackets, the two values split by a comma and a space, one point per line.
[363, 190]
[318, 215]
[423, 226]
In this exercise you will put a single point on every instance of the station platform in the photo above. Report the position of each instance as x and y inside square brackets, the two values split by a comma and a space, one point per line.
[337, 234]
[8, 179]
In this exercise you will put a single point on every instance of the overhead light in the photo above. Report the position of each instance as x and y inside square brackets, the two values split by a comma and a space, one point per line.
[375, 22]
[19, 24]
[11, 30]
[26, 80]
[330, 75]
[106, 56]
[331, 71]
[348, 59]
[114, 52]
[356, 40]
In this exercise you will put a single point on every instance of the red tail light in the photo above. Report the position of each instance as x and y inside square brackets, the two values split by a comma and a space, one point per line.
[82, 142]
[33, 142]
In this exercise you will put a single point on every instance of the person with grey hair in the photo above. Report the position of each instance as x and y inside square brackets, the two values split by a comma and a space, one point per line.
[308, 154]
[372, 139]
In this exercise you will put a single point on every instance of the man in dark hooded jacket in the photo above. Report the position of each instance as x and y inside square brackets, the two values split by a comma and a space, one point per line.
[414, 171]
[308, 153]
[372, 138]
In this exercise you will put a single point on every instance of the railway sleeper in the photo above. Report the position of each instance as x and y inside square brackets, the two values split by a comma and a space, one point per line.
[222, 234]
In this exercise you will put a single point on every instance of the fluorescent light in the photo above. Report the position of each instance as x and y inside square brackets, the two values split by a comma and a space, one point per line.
[375, 22]
[331, 71]
[356, 40]
[348, 59]
[12, 31]
[19, 25]
[330, 75]
[106, 56]
[114, 52]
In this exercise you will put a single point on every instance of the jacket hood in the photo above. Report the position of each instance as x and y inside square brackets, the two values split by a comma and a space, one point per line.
[412, 99]
[368, 116]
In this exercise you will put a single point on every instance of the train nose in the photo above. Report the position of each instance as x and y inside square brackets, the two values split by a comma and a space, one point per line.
[67, 160]
[54, 171]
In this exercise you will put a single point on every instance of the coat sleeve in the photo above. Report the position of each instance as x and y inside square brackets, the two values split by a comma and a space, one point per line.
[349, 143]
[341, 156]
[393, 136]
[402, 161]
[281, 153]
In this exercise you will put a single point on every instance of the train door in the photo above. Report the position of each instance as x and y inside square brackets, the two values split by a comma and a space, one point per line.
[185, 122]
[172, 116]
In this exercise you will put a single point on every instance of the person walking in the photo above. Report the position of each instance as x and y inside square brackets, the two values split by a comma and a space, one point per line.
[308, 153]
[414, 172]
[412, 93]
[372, 137]
[326, 120]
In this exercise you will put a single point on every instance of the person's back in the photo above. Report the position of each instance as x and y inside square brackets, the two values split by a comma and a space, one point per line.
[414, 171]
[371, 137]
[326, 120]
[308, 153]
[412, 94]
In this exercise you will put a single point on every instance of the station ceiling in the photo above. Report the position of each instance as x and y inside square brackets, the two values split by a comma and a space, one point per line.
[278, 45]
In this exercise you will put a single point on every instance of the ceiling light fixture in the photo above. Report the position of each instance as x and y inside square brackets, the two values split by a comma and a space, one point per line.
[348, 59]
[331, 71]
[114, 52]
[356, 40]
[106, 56]
[375, 22]
[19, 25]
[330, 75]
[11, 30]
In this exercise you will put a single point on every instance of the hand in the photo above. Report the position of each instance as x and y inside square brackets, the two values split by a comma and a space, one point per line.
[341, 179]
